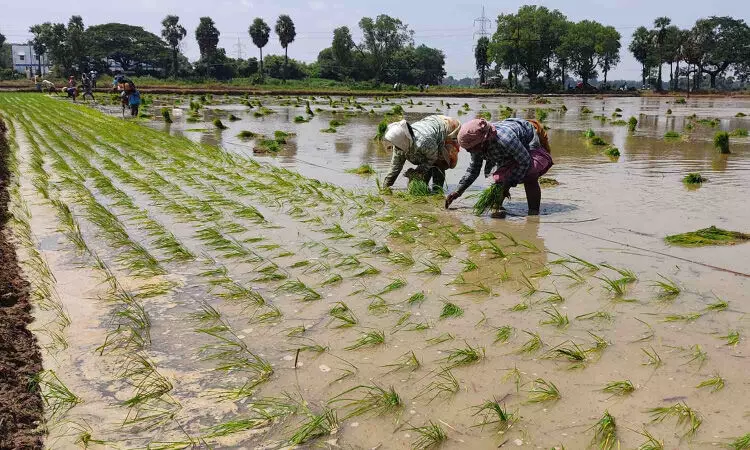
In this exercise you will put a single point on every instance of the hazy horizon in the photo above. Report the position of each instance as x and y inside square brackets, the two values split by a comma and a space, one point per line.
[449, 27]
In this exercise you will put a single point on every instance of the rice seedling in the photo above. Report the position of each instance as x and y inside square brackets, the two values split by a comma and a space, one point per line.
[401, 259]
[392, 286]
[619, 388]
[407, 362]
[632, 123]
[534, 343]
[716, 383]
[219, 125]
[445, 337]
[418, 188]
[431, 435]
[489, 199]
[444, 383]
[416, 299]
[554, 317]
[493, 413]
[685, 415]
[374, 400]
[721, 141]
[694, 178]
[316, 425]
[503, 333]
[696, 354]
[431, 268]
[367, 271]
[596, 315]
[628, 276]
[344, 315]
[742, 442]
[707, 236]
[529, 287]
[651, 443]
[298, 287]
[668, 289]
[58, 399]
[451, 310]
[543, 391]
[732, 338]
[569, 351]
[718, 305]
[364, 169]
[441, 252]
[469, 265]
[369, 339]
[652, 358]
[555, 298]
[605, 435]
[464, 356]
[671, 135]
[333, 279]
[245, 134]
[523, 306]
[690, 317]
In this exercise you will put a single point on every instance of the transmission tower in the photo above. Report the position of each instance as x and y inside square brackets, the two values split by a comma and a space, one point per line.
[239, 48]
[482, 25]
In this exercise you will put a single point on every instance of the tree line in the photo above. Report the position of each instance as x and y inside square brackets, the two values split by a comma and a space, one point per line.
[386, 54]
[543, 46]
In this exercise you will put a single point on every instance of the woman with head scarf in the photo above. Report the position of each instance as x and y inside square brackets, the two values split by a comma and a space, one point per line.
[514, 151]
[430, 144]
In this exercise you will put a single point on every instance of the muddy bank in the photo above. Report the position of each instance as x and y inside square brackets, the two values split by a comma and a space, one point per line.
[20, 409]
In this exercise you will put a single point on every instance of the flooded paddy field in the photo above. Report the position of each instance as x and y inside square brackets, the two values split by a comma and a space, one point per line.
[193, 293]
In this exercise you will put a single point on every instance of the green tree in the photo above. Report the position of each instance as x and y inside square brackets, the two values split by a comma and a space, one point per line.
[77, 45]
[608, 49]
[382, 38]
[724, 41]
[580, 44]
[208, 38]
[528, 39]
[482, 57]
[642, 49]
[259, 32]
[173, 33]
[286, 32]
[53, 39]
[2, 52]
[341, 51]
[130, 46]
[660, 34]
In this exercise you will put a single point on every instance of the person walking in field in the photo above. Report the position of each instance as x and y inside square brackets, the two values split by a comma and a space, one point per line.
[87, 87]
[430, 144]
[513, 151]
[129, 95]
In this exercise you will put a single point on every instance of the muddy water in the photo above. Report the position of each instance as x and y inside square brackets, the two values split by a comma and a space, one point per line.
[603, 211]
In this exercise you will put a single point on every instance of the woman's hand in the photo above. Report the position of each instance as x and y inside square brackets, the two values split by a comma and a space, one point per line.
[449, 199]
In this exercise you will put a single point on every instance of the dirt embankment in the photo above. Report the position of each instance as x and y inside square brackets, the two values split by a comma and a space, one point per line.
[21, 409]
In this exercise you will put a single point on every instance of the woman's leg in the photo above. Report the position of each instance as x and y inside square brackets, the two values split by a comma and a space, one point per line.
[533, 194]
[438, 178]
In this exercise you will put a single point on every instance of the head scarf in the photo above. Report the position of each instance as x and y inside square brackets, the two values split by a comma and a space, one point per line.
[398, 134]
[474, 132]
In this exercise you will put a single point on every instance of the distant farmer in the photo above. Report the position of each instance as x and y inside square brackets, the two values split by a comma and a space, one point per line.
[430, 144]
[129, 95]
[514, 151]
[87, 87]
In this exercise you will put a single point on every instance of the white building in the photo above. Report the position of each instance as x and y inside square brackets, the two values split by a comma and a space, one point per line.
[25, 60]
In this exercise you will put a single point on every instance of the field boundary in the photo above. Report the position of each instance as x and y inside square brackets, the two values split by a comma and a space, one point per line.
[21, 409]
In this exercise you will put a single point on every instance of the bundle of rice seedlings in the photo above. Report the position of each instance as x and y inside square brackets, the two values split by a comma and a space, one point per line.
[166, 115]
[693, 178]
[418, 188]
[233, 118]
[490, 198]
[721, 141]
[218, 124]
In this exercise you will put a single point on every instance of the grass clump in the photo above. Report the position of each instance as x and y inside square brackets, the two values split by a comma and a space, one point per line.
[218, 124]
[739, 132]
[300, 119]
[233, 118]
[694, 178]
[671, 135]
[721, 141]
[596, 140]
[267, 146]
[707, 236]
[490, 199]
[364, 169]
[612, 152]
[740, 114]
[586, 110]
[246, 134]
[632, 123]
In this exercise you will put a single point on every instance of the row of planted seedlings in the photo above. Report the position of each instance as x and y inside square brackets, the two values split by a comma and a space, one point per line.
[450, 309]
[151, 404]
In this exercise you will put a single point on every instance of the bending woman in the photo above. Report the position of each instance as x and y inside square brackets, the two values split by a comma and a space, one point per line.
[430, 144]
[514, 151]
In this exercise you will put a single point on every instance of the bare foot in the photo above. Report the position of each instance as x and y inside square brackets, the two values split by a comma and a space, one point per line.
[498, 214]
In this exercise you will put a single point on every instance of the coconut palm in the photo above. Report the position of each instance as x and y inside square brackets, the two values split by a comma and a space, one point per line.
[661, 24]
[173, 33]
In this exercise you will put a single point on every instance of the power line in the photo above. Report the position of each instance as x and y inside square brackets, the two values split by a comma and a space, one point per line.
[239, 48]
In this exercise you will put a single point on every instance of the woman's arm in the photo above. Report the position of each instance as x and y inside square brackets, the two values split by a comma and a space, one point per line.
[397, 163]
[472, 172]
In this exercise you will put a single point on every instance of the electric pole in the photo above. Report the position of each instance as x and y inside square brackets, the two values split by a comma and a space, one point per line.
[483, 24]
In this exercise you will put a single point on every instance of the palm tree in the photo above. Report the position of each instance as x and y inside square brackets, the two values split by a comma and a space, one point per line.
[287, 33]
[661, 24]
[173, 33]
[259, 32]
